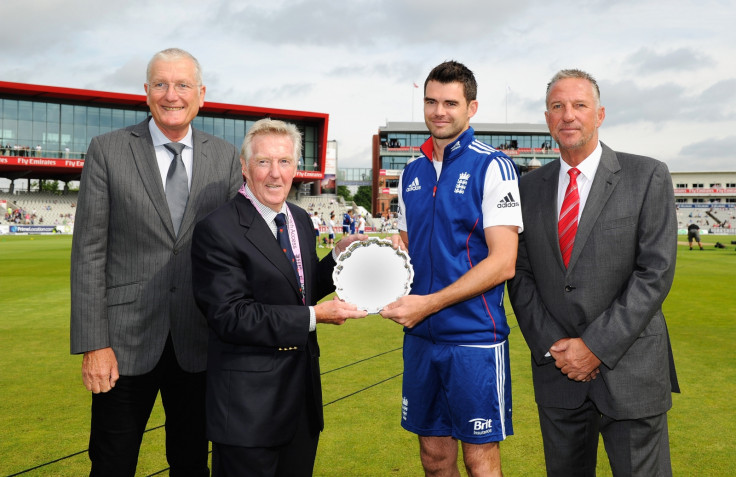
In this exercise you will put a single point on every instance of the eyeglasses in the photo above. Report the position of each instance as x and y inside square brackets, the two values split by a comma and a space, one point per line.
[180, 88]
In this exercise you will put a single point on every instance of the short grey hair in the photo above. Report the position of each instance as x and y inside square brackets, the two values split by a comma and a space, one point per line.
[272, 126]
[574, 73]
[171, 54]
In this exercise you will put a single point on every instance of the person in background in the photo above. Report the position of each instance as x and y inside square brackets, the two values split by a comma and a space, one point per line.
[133, 314]
[595, 263]
[693, 233]
[351, 213]
[331, 231]
[316, 222]
[459, 218]
[346, 219]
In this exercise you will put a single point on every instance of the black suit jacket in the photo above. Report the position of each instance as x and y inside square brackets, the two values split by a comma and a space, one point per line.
[263, 363]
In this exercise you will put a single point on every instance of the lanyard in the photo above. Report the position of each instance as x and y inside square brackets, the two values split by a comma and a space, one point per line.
[296, 250]
[293, 236]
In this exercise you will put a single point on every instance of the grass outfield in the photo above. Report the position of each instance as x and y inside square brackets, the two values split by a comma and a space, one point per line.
[44, 408]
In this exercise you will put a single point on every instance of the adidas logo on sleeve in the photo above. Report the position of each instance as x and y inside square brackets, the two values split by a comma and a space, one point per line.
[507, 201]
[414, 185]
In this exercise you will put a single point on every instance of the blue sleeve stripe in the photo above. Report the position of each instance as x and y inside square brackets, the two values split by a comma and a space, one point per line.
[483, 145]
[507, 168]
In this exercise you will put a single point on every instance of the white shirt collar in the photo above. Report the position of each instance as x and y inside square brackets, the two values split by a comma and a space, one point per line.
[159, 138]
[589, 165]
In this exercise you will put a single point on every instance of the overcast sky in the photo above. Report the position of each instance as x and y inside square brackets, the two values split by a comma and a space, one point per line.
[667, 70]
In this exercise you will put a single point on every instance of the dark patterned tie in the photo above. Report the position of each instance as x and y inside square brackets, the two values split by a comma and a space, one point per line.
[177, 185]
[282, 236]
[567, 227]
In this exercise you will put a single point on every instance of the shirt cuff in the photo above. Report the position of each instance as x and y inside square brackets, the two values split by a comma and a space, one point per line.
[312, 319]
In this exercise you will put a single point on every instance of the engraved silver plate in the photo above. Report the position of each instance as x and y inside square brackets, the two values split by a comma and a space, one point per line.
[371, 274]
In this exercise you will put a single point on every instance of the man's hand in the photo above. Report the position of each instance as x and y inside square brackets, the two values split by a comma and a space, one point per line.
[335, 312]
[575, 359]
[397, 242]
[100, 370]
[347, 240]
[409, 310]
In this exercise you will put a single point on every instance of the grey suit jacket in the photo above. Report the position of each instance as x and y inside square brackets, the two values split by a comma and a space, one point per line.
[611, 294]
[131, 282]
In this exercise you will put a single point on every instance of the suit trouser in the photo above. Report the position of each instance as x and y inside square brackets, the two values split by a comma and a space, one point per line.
[293, 459]
[119, 419]
[635, 448]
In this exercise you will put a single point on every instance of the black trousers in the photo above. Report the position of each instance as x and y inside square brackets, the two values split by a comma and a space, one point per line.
[635, 447]
[119, 419]
[293, 459]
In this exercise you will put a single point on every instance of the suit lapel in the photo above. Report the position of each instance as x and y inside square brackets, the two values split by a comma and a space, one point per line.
[603, 185]
[258, 233]
[141, 145]
[199, 174]
[549, 213]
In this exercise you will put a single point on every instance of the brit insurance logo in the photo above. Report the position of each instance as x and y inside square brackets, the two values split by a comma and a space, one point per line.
[481, 426]
[507, 201]
[404, 407]
[462, 183]
[414, 185]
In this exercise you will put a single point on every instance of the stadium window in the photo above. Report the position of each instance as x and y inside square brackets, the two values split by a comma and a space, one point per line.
[681, 186]
[730, 184]
[208, 124]
[93, 122]
[696, 186]
[219, 127]
[105, 120]
[394, 205]
[129, 118]
[118, 119]
[39, 112]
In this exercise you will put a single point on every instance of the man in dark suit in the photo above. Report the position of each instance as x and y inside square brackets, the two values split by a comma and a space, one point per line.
[257, 280]
[132, 310]
[595, 263]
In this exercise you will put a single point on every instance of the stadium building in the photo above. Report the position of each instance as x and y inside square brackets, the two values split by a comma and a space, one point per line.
[45, 132]
[705, 198]
[397, 143]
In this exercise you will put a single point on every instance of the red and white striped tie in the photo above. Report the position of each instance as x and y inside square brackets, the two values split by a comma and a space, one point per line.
[568, 223]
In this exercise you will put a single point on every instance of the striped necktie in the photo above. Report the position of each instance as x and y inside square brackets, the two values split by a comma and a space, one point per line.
[568, 223]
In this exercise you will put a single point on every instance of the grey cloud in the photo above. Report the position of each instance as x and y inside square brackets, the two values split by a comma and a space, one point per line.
[276, 97]
[400, 71]
[647, 60]
[370, 24]
[625, 102]
[127, 78]
[713, 148]
[45, 26]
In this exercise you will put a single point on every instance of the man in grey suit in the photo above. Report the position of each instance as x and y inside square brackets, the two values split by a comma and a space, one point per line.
[133, 314]
[588, 293]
